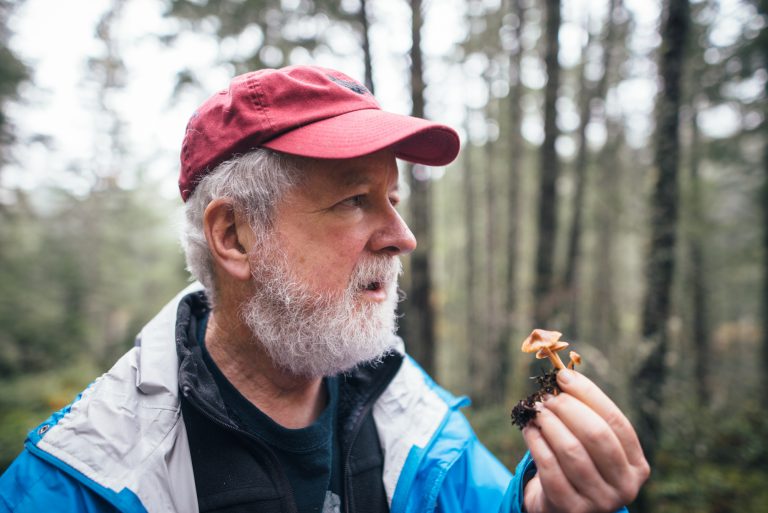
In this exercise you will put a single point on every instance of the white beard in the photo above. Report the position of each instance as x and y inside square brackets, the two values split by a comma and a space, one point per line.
[314, 334]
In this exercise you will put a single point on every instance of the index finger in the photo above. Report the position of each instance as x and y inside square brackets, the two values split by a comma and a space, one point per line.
[586, 391]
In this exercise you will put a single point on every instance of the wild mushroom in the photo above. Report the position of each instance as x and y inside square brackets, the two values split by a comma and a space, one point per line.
[575, 359]
[558, 346]
[545, 344]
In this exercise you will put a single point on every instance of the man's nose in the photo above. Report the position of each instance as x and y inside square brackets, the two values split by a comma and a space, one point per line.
[393, 237]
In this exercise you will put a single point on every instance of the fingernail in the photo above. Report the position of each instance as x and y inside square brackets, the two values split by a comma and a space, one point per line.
[565, 376]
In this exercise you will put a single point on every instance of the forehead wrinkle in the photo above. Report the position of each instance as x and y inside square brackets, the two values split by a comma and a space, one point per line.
[357, 176]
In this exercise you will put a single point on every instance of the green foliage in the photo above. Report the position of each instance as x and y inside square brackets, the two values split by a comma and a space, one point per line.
[78, 280]
[83, 276]
[27, 400]
[720, 469]
[12, 73]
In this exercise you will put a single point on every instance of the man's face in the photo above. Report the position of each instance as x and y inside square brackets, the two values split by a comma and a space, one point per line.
[325, 277]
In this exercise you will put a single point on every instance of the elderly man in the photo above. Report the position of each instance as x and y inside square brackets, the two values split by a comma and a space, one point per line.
[276, 383]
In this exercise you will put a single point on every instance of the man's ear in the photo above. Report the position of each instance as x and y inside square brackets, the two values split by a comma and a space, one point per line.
[229, 235]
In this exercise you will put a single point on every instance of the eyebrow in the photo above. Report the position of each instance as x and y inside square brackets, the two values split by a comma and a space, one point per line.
[353, 178]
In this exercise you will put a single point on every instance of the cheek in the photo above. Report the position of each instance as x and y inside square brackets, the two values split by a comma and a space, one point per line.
[331, 260]
[344, 251]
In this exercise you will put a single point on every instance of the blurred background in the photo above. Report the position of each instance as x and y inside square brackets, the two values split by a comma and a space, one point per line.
[613, 185]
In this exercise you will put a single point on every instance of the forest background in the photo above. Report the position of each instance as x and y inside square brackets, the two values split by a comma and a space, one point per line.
[613, 185]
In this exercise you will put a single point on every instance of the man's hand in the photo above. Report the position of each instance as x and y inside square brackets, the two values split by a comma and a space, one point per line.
[587, 455]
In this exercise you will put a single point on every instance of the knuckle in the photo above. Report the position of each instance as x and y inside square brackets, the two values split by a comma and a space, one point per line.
[572, 449]
[644, 471]
[598, 435]
[608, 503]
[545, 461]
[616, 420]
[627, 493]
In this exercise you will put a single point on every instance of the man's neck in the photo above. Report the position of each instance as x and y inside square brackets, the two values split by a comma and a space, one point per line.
[291, 401]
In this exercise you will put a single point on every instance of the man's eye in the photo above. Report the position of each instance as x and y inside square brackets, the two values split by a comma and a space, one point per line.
[354, 201]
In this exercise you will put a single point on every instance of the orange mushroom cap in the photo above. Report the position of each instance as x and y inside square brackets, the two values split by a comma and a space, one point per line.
[539, 339]
[557, 346]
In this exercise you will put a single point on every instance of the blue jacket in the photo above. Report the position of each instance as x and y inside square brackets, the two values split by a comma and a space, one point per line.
[122, 444]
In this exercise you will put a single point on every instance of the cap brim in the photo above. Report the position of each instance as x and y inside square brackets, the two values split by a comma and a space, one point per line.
[367, 131]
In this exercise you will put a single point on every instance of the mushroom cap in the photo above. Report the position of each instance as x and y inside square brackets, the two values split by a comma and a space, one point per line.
[557, 346]
[575, 357]
[539, 339]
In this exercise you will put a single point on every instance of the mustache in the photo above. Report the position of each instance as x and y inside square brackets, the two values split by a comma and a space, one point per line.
[375, 270]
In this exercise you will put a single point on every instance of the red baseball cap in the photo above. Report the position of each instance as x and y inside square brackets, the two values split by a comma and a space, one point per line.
[307, 111]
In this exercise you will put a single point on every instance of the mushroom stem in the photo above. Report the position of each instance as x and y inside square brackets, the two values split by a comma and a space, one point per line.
[556, 361]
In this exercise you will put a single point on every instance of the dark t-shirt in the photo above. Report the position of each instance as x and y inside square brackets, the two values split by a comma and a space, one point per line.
[310, 455]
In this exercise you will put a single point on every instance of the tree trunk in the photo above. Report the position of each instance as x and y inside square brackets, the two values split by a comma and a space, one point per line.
[604, 321]
[367, 60]
[495, 348]
[660, 265]
[764, 202]
[699, 331]
[516, 149]
[587, 94]
[580, 179]
[762, 8]
[548, 172]
[421, 312]
[470, 279]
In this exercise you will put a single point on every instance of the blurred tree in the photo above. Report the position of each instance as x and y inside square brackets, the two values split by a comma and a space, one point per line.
[607, 202]
[602, 328]
[471, 292]
[271, 30]
[73, 288]
[762, 43]
[364, 32]
[757, 52]
[420, 308]
[484, 202]
[700, 331]
[515, 25]
[731, 69]
[12, 73]
[715, 75]
[549, 170]
[649, 378]
[494, 349]
[588, 93]
[108, 73]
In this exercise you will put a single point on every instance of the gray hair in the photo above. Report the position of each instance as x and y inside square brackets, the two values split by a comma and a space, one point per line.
[254, 182]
